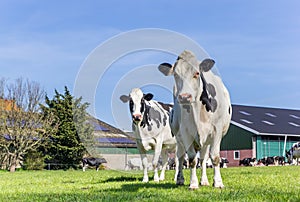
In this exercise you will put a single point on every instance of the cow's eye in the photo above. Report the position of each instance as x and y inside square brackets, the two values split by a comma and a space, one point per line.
[196, 75]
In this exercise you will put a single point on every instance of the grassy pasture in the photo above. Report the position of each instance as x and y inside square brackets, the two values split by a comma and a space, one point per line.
[242, 184]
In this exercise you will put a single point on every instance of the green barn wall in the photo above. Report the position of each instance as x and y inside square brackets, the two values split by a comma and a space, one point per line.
[237, 139]
[273, 145]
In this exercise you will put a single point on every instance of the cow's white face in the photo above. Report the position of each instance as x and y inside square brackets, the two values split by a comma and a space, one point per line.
[187, 81]
[187, 72]
[137, 104]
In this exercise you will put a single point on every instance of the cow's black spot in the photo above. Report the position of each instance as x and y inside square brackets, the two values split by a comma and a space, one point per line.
[131, 106]
[165, 109]
[229, 110]
[211, 90]
[165, 120]
[187, 107]
[208, 95]
[142, 106]
[150, 115]
[155, 116]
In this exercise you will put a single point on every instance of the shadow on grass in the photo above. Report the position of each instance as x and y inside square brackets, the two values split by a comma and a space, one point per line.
[134, 187]
[135, 183]
[122, 179]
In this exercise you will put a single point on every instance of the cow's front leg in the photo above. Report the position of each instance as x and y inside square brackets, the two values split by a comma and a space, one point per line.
[180, 156]
[203, 160]
[83, 168]
[157, 153]
[194, 184]
[144, 161]
[145, 167]
[215, 157]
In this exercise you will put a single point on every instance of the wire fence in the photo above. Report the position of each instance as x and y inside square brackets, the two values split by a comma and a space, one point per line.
[45, 166]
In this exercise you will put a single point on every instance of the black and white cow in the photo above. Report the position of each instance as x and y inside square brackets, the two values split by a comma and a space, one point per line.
[248, 162]
[294, 153]
[150, 124]
[223, 163]
[279, 160]
[201, 114]
[267, 161]
[92, 162]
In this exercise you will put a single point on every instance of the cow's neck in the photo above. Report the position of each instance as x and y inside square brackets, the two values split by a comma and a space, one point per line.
[200, 117]
[145, 122]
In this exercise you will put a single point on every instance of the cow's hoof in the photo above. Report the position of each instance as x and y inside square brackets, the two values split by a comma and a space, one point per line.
[180, 183]
[218, 185]
[193, 187]
[145, 179]
[204, 183]
[156, 180]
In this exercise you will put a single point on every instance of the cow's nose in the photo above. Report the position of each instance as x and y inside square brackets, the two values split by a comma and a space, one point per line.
[137, 117]
[185, 97]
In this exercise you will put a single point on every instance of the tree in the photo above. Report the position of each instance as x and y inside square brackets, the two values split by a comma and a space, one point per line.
[67, 145]
[23, 127]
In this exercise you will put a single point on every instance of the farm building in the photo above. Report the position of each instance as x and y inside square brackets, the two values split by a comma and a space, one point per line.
[259, 132]
[113, 144]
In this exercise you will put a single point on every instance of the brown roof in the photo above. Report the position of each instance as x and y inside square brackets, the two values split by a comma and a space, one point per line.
[7, 105]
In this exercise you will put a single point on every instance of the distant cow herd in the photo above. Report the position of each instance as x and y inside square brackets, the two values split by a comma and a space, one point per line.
[192, 127]
[267, 161]
[291, 157]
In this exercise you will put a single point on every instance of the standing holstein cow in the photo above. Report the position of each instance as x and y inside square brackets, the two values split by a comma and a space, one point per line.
[294, 153]
[201, 114]
[92, 162]
[150, 124]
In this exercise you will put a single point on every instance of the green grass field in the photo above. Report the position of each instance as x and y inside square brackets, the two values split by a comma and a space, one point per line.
[241, 184]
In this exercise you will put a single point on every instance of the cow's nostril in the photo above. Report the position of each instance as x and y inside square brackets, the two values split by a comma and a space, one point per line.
[137, 117]
[185, 97]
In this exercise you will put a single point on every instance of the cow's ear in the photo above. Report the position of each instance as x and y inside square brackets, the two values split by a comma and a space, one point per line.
[124, 98]
[206, 65]
[148, 96]
[166, 69]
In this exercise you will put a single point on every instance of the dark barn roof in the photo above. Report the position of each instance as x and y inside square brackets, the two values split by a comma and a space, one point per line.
[108, 135]
[267, 121]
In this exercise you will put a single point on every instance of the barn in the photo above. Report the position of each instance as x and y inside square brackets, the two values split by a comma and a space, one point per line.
[259, 132]
[115, 145]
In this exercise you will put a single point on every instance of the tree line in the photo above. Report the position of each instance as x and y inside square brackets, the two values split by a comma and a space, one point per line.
[36, 130]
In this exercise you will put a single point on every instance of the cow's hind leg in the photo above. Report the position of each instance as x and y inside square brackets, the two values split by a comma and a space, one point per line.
[215, 157]
[157, 153]
[164, 156]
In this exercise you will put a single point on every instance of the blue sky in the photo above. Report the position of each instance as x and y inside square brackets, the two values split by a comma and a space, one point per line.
[255, 44]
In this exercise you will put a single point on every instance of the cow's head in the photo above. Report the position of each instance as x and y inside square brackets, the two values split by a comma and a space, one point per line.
[137, 104]
[188, 74]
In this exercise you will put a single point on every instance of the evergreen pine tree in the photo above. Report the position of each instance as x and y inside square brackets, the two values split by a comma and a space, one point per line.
[66, 147]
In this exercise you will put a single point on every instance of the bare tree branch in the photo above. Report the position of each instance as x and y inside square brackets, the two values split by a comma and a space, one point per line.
[22, 125]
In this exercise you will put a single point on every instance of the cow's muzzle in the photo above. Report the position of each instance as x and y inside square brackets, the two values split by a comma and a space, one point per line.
[136, 117]
[185, 98]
